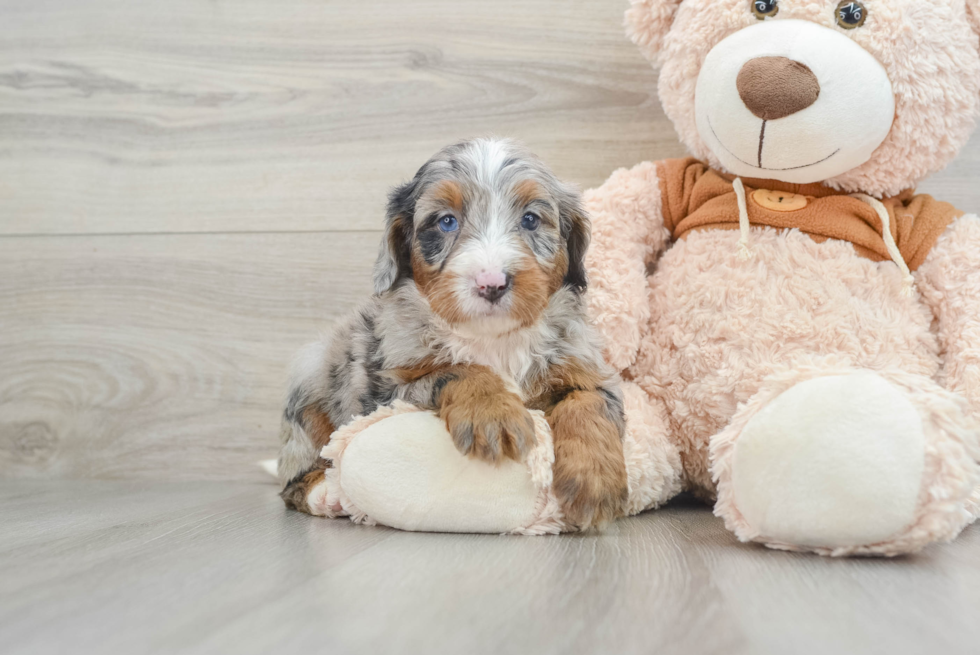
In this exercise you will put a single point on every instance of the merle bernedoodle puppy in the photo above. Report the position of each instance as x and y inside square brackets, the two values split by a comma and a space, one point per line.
[478, 315]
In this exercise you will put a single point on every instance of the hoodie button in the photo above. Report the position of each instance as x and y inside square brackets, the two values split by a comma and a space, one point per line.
[779, 201]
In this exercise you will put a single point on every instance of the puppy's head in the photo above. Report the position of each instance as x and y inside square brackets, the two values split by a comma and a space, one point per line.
[487, 233]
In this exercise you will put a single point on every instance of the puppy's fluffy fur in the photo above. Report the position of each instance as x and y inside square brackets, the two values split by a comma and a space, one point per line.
[477, 315]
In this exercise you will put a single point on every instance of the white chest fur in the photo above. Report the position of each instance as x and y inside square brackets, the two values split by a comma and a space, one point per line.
[512, 354]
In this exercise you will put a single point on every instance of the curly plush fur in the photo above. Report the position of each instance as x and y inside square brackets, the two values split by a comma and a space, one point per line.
[714, 338]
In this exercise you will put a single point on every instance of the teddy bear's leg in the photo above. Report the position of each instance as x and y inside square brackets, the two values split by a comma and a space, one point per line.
[653, 464]
[399, 467]
[846, 462]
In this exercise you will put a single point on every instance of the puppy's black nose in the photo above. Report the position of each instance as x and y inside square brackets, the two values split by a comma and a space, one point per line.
[492, 287]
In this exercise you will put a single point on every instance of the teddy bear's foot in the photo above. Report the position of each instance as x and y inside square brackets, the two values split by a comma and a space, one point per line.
[832, 462]
[399, 467]
[844, 464]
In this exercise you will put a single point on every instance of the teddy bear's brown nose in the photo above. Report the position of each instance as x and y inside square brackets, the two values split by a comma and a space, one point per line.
[777, 87]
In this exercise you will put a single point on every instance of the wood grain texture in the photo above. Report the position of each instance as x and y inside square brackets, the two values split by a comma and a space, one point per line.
[299, 114]
[116, 567]
[160, 356]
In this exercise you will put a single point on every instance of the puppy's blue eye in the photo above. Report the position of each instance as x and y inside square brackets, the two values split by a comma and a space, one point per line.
[530, 221]
[448, 224]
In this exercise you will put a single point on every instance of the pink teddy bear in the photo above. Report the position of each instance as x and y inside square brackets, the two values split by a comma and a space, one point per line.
[798, 330]
[804, 328]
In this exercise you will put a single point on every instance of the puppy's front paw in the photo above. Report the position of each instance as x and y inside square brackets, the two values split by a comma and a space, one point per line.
[490, 426]
[591, 486]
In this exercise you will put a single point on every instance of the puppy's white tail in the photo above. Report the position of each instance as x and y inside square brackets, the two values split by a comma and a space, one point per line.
[270, 466]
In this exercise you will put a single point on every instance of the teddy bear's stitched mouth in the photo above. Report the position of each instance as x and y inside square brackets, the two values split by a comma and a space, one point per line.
[761, 139]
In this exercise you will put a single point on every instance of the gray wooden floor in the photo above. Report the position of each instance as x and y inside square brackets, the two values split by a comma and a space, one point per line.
[189, 191]
[206, 567]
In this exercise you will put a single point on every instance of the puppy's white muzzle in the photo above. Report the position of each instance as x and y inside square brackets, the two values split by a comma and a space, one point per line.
[481, 268]
[791, 136]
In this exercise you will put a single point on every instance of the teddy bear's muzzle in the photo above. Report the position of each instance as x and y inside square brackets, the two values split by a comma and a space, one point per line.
[771, 102]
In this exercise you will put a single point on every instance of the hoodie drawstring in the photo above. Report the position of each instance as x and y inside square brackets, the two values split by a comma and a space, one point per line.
[908, 282]
[744, 251]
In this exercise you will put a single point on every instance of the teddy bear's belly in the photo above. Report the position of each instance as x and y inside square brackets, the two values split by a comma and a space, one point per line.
[720, 325]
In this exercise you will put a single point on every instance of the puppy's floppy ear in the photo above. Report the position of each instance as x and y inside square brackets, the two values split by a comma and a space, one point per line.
[395, 255]
[576, 230]
[647, 23]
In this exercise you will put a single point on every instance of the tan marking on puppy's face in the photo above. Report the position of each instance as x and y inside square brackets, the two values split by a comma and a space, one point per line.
[559, 270]
[532, 288]
[440, 289]
[449, 194]
[444, 201]
[539, 275]
[527, 191]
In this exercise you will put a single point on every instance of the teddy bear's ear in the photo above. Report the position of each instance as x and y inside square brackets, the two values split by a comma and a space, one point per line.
[648, 21]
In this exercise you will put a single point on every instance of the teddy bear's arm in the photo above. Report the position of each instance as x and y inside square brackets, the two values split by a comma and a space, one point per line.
[627, 237]
[949, 281]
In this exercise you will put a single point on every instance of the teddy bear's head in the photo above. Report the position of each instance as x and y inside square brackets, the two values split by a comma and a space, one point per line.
[869, 96]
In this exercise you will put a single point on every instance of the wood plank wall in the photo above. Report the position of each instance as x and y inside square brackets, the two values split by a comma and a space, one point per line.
[191, 190]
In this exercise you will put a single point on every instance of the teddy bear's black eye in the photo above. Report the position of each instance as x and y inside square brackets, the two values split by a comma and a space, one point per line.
[851, 15]
[765, 8]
